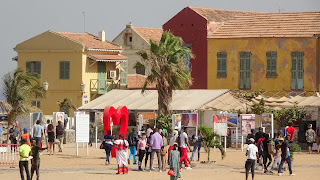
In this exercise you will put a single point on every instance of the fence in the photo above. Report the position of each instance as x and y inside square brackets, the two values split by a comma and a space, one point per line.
[9, 155]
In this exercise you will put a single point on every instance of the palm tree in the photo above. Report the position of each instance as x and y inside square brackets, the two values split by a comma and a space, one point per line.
[168, 68]
[66, 104]
[19, 89]
[210, 140]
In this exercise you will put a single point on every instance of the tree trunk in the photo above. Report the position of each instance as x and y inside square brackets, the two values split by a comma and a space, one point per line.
[208, 155]
[164, 98]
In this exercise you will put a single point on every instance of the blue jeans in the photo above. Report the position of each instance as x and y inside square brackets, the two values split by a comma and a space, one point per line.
[281, 164]
[197, 145]
[108, 148]
[133, 152]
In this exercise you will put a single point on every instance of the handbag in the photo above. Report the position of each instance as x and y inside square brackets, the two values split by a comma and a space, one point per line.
[170, 172]
[56, 141]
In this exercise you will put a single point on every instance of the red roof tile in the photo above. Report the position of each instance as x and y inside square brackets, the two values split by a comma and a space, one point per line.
[296, 24]
[106, 57]
[90, 41]
[149, 33]
[136, 81]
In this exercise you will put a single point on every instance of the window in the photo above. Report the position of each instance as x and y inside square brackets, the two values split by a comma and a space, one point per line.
[272, 64]
[245, 70]
[221, 64]
[129, 39]
[124, 72]
[297, 70]
[64, 70]
[36, 104]
[33, 67]
[141, 71]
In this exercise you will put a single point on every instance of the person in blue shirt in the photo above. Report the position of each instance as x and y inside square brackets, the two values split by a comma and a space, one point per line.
[285, 156]
[38, 132]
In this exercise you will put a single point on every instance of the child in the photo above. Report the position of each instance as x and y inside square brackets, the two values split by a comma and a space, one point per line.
[35, 162]
[142, 144]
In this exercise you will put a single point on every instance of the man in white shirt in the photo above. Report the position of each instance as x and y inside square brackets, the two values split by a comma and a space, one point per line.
[183, 145]
[45, 128]
[252, 153]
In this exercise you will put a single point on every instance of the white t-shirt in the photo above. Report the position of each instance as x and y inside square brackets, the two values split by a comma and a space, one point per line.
[252, 151]
[46, 129]
[183, 137]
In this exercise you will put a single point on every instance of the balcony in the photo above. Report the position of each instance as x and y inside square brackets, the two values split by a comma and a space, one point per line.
[99, 86]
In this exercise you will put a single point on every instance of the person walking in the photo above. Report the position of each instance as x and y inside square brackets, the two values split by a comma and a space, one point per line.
[26, 136]
[38, 132]
[318, 138]
[172, 141]
[174, 162]
[252, 153]
[60, 135]
[164, 151]
[51, 137]
[265, 153]
[197, 145]
[310, 137]
[148, 151]
[285, 156]
[45, 129]
[156, 144]
[290, 132]
[35, 162]
[183, 145]
[133, 139]
[25, 152]
[108, 144]
[1, 133]
[142, 145]
[258, 135]
[253, 132]
[14, 133]
[277, 158]
[121, 144]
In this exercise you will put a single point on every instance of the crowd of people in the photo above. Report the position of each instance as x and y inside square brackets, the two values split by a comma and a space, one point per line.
[144, 144]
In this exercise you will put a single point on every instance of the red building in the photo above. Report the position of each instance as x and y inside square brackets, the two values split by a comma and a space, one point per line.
[194, 24]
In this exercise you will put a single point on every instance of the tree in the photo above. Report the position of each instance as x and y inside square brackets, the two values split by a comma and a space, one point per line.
[164, 121]
[168, 68]
[66, 104]
[19, 89]
[211, 140]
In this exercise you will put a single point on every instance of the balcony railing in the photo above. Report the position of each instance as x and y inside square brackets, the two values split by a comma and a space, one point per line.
[103, 86]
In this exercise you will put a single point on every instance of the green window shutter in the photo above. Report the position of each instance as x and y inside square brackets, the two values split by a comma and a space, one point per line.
[28, 67]
[221, 64]
[38, 68]
[268, 64]
[248, 71]
[300, 70]
[64, 72]
[241, 70]
[67, 70]
[271, 64]
[61, 72]
[293, 70]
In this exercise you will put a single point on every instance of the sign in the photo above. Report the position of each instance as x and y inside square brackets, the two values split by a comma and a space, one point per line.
[176, 121]
[267, 123]
[189, 120]
[86, 101]
[248, 123]
[232, 120]
[146, 118]
[57, 116]
[221, 129]
[34, 117]
[82, 127]
[220, 124]
[85, 96]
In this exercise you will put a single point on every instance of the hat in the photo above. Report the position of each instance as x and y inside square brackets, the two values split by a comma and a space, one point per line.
[25, 129]
[281, 139]
[251, 139]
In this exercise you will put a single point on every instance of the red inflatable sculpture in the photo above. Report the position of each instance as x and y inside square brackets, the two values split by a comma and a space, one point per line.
[121, 113]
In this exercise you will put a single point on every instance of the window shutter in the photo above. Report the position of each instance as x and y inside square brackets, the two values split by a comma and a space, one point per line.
[248, 71]
[241, 70]
[61, 76]
[274, 64]
[219, 64]
[268, 64]
[38, 68]
[300, 70]
[293, 71]
[67, 70]
[224, 64]
[28, 67]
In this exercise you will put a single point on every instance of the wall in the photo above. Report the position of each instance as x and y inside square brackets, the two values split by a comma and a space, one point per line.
[258, 47]
[193, 29]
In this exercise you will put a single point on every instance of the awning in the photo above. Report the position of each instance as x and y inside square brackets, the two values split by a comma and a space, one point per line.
[107, 58]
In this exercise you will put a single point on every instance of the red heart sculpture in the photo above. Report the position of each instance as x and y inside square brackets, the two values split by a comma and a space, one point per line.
[120, 114]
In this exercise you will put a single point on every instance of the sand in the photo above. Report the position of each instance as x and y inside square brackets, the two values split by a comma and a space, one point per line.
[67, 165]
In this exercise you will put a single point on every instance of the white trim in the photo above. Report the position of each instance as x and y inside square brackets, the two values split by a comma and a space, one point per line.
[106, 60]
[111, 50]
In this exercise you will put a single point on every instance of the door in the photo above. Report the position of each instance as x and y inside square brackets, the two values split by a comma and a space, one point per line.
[102, 77]
[244, 70]
[297, 70]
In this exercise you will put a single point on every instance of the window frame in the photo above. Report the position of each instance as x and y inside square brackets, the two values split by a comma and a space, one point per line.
[33, 67]
[222, 72]
[64, 74]
[271, 67]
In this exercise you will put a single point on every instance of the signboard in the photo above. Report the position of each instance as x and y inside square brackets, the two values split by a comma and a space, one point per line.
[248, 123]
[189, 120]
[57, 116]
[267, 123]
[220, 124]
[146, 118]
[34, 117]
[176, 121]
[82, 127]
[232, 120]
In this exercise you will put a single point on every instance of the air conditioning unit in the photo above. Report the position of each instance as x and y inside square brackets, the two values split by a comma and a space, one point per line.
[113, 74]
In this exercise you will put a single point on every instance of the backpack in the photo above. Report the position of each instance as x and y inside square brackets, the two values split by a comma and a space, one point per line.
[272, 148]
[318, 132]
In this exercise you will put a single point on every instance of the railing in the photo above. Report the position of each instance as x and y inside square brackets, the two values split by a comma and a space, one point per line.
[103, 86]
[9, 155]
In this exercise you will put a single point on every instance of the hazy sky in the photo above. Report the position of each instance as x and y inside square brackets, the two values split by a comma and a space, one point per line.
[23, 19]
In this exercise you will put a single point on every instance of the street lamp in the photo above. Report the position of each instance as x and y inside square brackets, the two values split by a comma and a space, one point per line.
[82, 86]
[45, 85]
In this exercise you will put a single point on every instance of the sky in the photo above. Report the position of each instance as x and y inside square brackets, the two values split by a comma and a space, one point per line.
[21, 19]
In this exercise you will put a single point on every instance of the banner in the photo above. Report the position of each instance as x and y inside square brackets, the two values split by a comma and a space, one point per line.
[267, 122]
[220, 124]
[248, 123]
[57, 116]
[189, 120]
[176, 121]
[232, 120]
[146, 118]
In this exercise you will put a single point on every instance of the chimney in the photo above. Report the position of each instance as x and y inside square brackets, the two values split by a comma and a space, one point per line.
[102, 35]
[129, 25]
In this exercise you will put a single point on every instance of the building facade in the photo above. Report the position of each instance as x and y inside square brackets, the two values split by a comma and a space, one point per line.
[68, 61]
[134, 39]
[269, 51]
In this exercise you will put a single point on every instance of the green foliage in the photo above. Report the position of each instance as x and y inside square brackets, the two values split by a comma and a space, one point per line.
[294, 148]
[164, 121]
[168, 68]
[66, 103]
[211, 140]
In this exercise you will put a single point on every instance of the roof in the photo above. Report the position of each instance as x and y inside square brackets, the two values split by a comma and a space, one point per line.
[149, 33]
[136, 81]
[135, 100]
[219, 15]
[107, 58]
[90, 41]
[295, 24]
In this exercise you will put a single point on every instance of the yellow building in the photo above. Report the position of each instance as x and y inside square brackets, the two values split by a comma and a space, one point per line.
[68, 61]
[270, 51]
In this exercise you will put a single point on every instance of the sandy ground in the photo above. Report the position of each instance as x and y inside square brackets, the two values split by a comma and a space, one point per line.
[67, 166]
